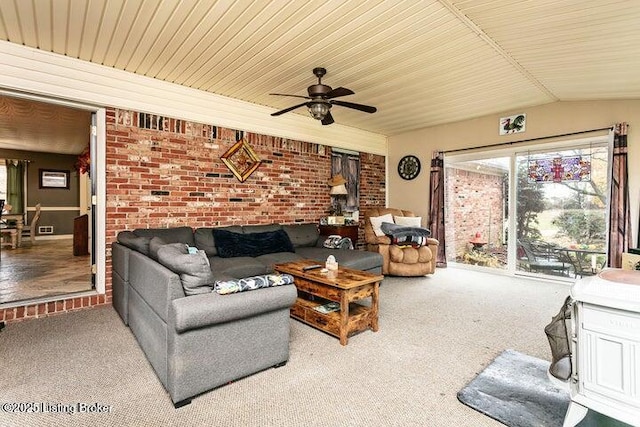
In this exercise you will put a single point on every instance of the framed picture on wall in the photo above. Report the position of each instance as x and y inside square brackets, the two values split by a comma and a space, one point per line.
[54, 178]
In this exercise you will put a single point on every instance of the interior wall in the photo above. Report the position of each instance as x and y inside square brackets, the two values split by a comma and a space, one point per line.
[60, 205]
[545, 120]
[173, 175]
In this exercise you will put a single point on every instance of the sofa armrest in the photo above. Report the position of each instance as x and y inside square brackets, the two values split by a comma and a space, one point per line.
[198, 311]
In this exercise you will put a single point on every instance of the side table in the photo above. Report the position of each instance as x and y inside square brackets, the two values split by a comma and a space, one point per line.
[350, 231]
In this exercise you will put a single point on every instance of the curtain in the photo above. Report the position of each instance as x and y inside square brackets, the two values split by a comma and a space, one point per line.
[619, 213]
[436, 203]
[15, 185]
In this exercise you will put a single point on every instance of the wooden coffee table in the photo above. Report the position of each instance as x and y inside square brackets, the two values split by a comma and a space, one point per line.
[344, 286]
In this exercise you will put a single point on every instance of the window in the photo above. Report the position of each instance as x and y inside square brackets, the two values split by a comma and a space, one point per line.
[348, 164]
[529, 212]
[3, 180]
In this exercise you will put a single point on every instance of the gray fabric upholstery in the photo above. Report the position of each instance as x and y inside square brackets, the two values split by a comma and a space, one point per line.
[120, 280]
[169, 235]
[302, 234]
[238, 267]
[195, 273]
[212, 308]
[155, 283]
[204, 238]
[358, 260]
[247, 229]
[154, 244]
[226, 352]
[120, 259]
[151, 333]
[135, 242]
[269, 260]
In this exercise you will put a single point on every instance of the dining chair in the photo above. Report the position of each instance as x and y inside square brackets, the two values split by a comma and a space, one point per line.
[31, 228]
[5, 229]
[536, 264]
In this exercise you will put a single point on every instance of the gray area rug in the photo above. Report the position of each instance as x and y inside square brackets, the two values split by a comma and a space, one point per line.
[515, 390]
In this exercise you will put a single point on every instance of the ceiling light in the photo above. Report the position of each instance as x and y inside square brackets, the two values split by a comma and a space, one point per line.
[319, 110]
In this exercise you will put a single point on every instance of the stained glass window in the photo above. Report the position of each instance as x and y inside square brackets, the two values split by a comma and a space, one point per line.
[559, 169]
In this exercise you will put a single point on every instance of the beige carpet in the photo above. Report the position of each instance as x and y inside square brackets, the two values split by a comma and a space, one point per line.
[436, 334]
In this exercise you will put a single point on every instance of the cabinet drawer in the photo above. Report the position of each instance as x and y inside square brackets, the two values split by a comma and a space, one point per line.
[316, 289]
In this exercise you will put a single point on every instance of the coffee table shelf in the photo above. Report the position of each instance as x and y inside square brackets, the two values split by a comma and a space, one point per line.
[346, 286]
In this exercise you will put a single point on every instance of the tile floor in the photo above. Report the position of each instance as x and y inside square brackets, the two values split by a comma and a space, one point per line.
[47, 268]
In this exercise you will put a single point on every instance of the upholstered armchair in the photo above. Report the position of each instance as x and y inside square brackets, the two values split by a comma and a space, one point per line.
[399, 260]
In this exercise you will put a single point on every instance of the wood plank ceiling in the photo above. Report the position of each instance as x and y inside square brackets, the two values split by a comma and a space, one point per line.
[420, 62]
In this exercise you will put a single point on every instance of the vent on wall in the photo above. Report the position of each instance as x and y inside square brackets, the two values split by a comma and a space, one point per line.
[45, 229]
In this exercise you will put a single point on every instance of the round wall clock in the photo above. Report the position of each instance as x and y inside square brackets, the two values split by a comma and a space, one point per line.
[409, 167]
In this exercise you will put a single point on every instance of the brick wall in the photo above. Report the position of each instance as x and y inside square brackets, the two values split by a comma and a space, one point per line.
[475, 203]
[169, 173]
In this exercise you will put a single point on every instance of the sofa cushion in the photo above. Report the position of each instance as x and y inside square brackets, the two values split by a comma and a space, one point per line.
[230, 244]
[135, 242]
[376, 223]
[154, 244]
[237, 267]
[260, 228]
[302, 234]
[169, 235]
[193, 269]
[269, 260]
[204, 238]
[358, 260]
[224, 287]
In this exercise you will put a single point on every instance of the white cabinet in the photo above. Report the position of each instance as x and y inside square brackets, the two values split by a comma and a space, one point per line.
[606, 347]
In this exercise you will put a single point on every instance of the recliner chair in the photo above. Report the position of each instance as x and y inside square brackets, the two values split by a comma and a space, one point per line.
[399, 260]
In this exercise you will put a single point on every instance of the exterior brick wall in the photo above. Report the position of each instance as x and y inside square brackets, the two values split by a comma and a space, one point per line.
[169, 173]
[475, 204]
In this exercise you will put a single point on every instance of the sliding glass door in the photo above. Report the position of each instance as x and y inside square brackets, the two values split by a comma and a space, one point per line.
[561, 213]
[542, 212]
[477, 211]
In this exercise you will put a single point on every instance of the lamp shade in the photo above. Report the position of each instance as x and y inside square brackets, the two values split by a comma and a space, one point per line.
[337, 180]
[338, 190]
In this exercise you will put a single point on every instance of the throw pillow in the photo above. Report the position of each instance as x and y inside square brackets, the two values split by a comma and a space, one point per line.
[137, 243]
[193, 269]
[154, 244]
[250, 283]
[376, 223]
[409, 221]
[229, 244]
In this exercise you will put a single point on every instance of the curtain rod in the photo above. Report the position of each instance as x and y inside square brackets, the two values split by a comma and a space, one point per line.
[499, 144]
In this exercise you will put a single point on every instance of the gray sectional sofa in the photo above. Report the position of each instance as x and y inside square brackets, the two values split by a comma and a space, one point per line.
[194, 338]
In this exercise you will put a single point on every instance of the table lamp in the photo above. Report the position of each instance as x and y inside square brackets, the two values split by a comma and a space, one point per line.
[338, 189]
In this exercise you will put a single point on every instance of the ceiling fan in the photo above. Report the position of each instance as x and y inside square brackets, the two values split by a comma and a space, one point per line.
[322, 98]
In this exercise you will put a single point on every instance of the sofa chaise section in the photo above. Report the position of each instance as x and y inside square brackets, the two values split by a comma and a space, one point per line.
[200, 342]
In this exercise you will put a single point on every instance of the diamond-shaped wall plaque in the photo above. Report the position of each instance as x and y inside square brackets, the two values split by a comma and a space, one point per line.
[241, 160]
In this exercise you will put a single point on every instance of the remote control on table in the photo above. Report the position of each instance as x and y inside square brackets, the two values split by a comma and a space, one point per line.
[311, 267]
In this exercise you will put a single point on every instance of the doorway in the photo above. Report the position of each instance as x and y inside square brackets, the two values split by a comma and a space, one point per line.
[47, 139]
[540, 212]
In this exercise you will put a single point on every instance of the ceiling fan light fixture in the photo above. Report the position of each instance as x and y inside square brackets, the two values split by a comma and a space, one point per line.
[318, 110]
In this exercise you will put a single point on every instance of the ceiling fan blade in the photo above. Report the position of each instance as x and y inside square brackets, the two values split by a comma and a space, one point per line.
[365, 108]
[286, 94]
[339, 91]
[286, 110]
[328, 119]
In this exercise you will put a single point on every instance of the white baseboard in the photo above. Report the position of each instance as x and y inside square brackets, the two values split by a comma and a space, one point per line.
[54, 237]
